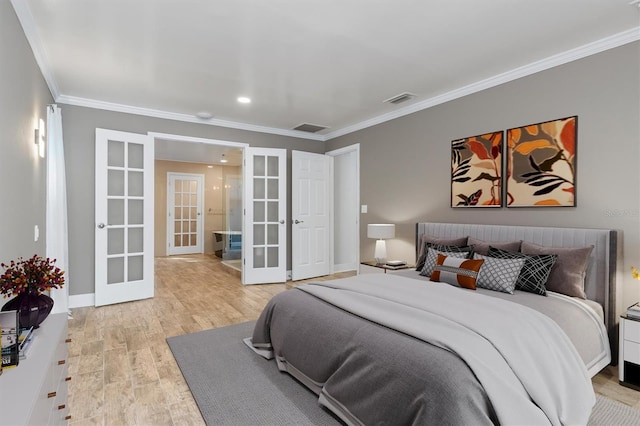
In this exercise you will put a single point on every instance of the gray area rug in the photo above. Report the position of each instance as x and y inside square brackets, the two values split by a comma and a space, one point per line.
[608, 412]
[234, 386]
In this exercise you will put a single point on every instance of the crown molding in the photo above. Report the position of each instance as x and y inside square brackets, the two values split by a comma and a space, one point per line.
[128, 109]
[23, 12]
[589, 49]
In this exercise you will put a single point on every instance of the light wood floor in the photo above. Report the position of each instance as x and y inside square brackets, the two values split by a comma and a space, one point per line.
[123, 372]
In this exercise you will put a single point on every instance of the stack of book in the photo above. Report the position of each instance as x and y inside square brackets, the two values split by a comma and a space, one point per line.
[395, 264]
[633, 311]
[9, 327]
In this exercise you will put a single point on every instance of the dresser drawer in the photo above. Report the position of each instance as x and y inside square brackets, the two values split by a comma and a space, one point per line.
[60, 365]
[632, 330]
[632, 352]
[43, 403]
[60, 409]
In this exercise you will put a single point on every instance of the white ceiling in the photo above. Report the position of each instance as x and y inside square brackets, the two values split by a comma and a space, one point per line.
[325, 62]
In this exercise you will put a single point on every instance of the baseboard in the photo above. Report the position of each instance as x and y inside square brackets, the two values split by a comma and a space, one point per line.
[82, 300]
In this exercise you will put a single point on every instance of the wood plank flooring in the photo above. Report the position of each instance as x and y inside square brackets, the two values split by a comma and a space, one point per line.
[123, 372]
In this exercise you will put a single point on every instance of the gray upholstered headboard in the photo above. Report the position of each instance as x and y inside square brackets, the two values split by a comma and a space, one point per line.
[600, 282]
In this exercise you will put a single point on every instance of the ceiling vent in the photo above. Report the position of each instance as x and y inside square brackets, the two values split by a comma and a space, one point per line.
[402, 97]
[309, 128]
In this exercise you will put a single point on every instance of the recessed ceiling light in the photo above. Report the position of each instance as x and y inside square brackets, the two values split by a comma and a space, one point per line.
[204, 115]
[223, 160]
[210, 166]
[244, 100]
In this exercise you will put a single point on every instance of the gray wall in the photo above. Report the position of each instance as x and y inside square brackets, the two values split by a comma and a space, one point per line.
[23, 99]
[405, 163]
[79, 126]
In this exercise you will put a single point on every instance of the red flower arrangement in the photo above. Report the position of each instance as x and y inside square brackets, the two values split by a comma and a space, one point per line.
[31, 276]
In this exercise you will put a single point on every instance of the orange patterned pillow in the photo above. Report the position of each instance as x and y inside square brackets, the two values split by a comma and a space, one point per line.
[456, 271]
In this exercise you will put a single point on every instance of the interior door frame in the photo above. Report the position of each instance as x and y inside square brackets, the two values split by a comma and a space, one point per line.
[199, 248]
[354, 189]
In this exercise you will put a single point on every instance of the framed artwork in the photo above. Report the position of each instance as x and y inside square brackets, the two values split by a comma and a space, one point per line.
[476, 171]
[541, 164]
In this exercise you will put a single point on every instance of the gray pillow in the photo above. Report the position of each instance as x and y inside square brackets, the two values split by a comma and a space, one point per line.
[432, 257]
[427, 241]
[498, 274]
[482, 247]
[568, 274]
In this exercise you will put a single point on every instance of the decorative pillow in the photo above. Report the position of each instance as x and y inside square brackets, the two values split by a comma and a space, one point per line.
[568, 274]
[498, 274]
[535, 271]
[482, 247]
[456, 271]
[432, 256]
[427, 241]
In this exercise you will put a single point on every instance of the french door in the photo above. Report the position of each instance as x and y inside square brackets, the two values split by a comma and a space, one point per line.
[123, 217]
[184, 213]
[264, 244]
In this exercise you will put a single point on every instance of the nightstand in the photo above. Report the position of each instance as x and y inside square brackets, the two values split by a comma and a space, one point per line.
[629, 353]
[373, 268]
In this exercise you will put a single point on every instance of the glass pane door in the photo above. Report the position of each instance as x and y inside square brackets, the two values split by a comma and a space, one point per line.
[184, 199]
[124, 217]
[125, 206]
[265, 205]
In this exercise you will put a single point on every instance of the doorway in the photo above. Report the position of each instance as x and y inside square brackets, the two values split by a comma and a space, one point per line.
[346, 206]
[219, 164]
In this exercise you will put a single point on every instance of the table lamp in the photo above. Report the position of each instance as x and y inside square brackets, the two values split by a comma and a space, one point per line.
[381, 231]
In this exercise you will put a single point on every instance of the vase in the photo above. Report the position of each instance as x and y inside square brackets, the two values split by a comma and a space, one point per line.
[32, 308]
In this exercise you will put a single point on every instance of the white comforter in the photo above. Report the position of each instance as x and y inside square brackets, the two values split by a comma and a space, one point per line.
[527, 365]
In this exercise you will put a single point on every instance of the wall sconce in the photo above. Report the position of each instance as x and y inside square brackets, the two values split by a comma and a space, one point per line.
[40, 140]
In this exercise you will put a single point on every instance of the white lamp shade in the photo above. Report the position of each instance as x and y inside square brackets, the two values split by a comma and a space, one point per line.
[381, 230]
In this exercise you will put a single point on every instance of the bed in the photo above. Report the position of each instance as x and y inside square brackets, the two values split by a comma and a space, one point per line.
[403, 349]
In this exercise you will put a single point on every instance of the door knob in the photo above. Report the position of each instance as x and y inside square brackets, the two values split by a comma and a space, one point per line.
[298, 221]
[282, 222]
[100, 225]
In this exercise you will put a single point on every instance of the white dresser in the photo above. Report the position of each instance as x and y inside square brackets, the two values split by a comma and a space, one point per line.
[35, 392]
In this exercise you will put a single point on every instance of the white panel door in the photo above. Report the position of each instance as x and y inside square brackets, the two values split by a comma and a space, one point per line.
[123, 217]
[184, 213]
[311, 198]
[264, 245]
